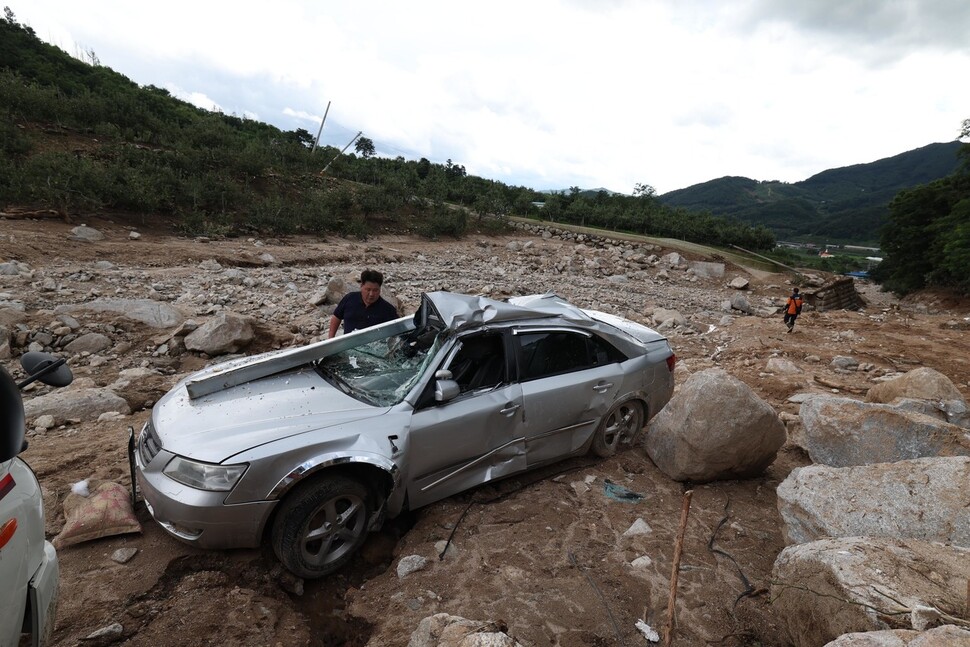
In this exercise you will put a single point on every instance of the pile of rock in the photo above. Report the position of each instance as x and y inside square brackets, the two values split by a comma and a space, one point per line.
[878, 529]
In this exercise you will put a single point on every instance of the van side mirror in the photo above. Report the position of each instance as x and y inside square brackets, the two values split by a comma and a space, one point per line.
[48, 369]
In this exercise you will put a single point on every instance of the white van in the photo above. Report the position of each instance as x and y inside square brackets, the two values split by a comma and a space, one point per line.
[28, 563]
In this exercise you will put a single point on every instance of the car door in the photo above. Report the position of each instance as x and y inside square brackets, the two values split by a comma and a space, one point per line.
[475, 437]
[569, 380]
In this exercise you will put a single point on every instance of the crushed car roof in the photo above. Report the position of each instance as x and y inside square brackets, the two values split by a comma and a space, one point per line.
[461, 311]
[441, 310]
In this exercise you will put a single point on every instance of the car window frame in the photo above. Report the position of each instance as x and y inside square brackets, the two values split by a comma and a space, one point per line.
[517, 333]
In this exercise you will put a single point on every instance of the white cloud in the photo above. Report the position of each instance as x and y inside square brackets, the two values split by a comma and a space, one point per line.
[558, 93]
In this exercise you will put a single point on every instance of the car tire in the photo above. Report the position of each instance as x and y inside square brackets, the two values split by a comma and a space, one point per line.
[321, 525]
[622, 424]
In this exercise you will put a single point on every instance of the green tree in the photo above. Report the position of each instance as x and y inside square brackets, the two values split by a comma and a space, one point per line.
[643, 190]
[364, 147]
[927, 238]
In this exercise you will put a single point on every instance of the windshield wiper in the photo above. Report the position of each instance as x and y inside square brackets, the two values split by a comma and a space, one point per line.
[331, 376]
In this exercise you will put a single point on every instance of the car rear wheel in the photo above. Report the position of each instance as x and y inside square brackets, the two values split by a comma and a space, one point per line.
[321, 525]
[621, 425]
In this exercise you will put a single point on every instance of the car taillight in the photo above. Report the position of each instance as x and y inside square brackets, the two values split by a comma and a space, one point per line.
[7, 531]
[670, 362]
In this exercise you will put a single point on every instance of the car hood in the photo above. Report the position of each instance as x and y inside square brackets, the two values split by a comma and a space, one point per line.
[216, 427]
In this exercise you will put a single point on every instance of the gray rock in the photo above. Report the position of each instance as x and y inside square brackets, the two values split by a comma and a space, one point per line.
[338, 286]
[663, 316]
[85, 233]
[443, 630]
[673, 259]
[740, 302]
[924, 498]
[714, 427]
[924, 383]
[842, 432]
[844, 362]
[707, 270]
[782, 366]
[75, 404]
[739, 283]
[106, 634]
[68, 321]
[225, 333]
[826, 588]
[925, 407]
[92, 342]
[945, 636]
[124, 555]
[156, 314]
[639, 527]
[410, 564]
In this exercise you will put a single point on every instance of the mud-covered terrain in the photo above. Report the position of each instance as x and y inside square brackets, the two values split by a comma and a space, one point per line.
[544, 555]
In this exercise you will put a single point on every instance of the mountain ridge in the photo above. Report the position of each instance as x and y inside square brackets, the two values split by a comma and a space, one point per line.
[849, 203]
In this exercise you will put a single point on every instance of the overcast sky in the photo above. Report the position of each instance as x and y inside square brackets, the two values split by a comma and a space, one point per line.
[551, 94]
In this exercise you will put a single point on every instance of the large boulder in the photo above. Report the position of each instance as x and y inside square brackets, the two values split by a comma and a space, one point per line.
[156, 314]
[826, 588]
[842, 432]
[226, 332]
[945, 636]
[924, 383]
[924, 498]
[77, 404]
[956, 412]
[715, 427]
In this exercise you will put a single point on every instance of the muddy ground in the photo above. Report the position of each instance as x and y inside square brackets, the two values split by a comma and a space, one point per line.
[545, 554]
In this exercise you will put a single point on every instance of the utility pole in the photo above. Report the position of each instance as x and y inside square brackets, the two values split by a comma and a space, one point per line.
[322, 121]
[342, 151]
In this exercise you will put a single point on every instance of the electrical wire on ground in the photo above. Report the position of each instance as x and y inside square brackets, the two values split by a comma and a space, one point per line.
[748, 588]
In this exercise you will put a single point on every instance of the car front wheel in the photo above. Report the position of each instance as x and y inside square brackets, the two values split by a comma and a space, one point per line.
[321, 525]
[622, 424]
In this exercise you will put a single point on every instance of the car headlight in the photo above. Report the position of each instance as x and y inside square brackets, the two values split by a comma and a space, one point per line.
[204, 476]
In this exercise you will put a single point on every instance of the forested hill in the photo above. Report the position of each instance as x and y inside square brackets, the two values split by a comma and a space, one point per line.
[78, 138]
[849, 204]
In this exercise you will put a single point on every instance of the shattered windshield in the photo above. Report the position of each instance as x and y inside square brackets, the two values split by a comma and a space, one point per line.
[381, 372]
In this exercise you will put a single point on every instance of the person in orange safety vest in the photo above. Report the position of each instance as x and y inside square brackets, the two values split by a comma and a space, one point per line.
[793, 308]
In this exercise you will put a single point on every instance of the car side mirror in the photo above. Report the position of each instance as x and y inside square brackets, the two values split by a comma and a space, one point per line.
[443, 374]
[445, 390]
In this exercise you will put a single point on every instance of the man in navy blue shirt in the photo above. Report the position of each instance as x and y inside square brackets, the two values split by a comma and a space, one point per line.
[362, 309]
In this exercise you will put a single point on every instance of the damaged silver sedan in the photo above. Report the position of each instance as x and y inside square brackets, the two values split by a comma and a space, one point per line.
[311, 448]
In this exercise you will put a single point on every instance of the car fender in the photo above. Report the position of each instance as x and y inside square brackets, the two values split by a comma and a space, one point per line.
[318, 464]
